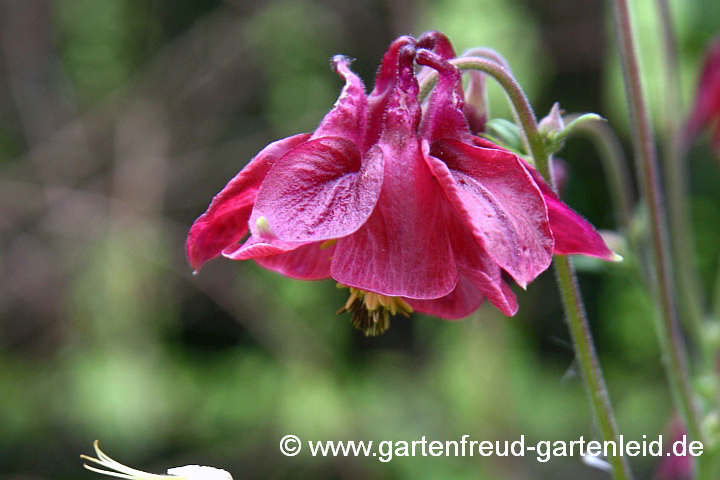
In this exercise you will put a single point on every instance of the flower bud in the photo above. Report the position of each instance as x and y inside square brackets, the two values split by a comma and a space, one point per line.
[553, 123]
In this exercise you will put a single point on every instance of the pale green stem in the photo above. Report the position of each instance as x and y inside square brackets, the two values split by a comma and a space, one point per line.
[490, 54]
[669, 335]
[572, 299]
[587, 358]
[690, 299]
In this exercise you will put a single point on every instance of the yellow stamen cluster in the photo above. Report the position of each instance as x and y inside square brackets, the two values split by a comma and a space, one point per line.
[371, 312]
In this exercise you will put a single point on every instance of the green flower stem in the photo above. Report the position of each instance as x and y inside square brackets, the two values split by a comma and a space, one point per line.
[572, 300]
[490, 54]
[587, 357]
[690, 298]
[670, 338]
[615, 165]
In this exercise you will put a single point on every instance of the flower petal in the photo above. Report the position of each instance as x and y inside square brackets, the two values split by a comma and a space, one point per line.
[485, 143]
[348, 117]
[474, 263]
[706, 106]
[319, 191]
[438, 43]
[303, 261]
[226, 220]
[461, 302]
[573, 234]
[500, 204]
[403, 249]
[445, 117]
[385, 81]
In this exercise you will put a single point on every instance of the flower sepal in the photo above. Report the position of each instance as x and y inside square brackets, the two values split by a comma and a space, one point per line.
[623, 257]
[554, 130]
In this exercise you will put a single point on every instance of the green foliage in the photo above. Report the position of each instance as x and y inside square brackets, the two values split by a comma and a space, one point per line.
[102, 43]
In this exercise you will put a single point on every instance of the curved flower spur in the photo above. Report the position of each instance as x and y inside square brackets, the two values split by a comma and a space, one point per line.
[409, 210]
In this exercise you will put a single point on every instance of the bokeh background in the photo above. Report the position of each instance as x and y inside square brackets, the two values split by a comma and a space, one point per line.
[120, 119]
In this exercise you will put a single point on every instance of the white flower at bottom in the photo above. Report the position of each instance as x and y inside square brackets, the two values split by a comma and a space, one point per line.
[117, 469]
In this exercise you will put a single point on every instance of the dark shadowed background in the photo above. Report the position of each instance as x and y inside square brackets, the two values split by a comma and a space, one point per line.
[119, 121]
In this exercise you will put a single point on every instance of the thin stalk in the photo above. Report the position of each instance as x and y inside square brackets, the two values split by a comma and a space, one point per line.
[587, 358]
[490, 54]
[690, 299]
[615, 166]
[669, 335]
[572, 299]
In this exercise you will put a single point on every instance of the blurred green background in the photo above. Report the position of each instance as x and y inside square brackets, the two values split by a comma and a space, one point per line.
[120, 119]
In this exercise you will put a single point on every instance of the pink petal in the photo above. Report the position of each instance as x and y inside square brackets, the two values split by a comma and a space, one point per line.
[445, 117]
[485, 143]
[707, 96]
[226, 220]
[318, 191]
[403, 249]
[438, 42]
[573, 234]
[348, 117]
[258, 247]
[461, 302]
[306, 261]
[499, 202]
[474, 263]
[385, 82]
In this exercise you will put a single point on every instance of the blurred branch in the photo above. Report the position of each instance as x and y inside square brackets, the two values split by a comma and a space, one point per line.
[690, 294]
[668, 330]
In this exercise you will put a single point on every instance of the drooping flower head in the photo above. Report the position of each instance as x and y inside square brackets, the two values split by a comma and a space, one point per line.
[706, 108]
[407, 209]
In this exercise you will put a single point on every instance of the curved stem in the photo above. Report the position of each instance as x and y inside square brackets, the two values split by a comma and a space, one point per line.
[669, 335]
[690, 299]
[493, 55]
[488, 53]
[521, 107]
[572, 299]
[615, 165]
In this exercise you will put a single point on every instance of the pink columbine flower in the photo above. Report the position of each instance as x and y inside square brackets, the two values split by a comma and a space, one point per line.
[672, 466]
[706, 108]
[409, 211]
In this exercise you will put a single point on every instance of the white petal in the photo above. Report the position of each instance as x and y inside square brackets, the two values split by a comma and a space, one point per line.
[199, 472]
